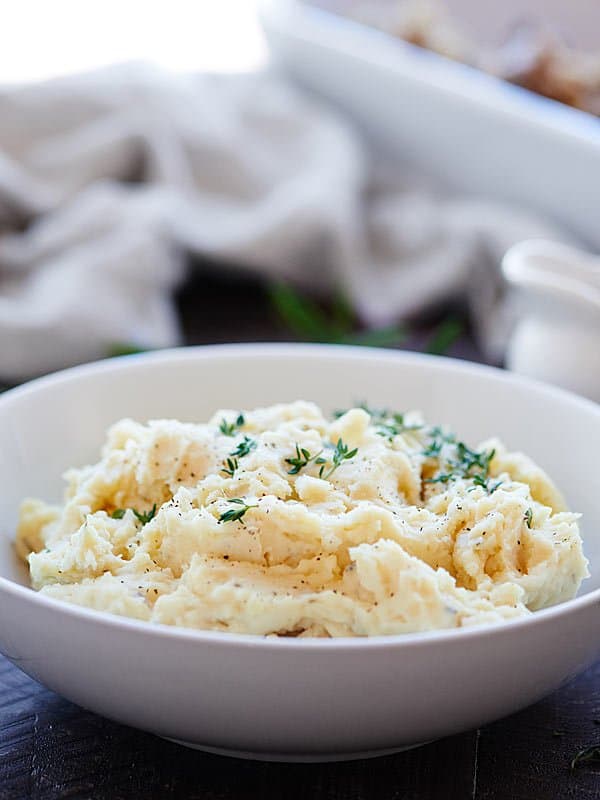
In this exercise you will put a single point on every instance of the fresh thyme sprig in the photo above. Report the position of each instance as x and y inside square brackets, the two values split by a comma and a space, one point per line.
[485, 483]
[433, 449]
[229, 428]
[244, 447]
[143, 516]
[302, 459]
[235, 514]
[341, 453]
[387, 423]
[394, 425]
[466, 464]
[231, 464]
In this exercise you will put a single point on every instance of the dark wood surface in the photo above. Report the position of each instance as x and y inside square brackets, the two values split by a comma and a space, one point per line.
[51, 749]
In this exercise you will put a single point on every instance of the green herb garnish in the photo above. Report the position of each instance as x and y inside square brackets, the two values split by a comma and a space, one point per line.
[309, 322]
[387, 423]
[125, 349]
[589, 755]
[244, 447]
[143, 516]
[529, 517]
[480, 480]
[394, 426]
[341, 453]
[433, 449]
[235, 514]
[444, 336]
[229, 428]
[444, 477]
[231, 464]
[303, 459]
[463, 463]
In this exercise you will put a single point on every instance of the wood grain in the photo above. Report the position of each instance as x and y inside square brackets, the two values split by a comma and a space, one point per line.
[51, 749]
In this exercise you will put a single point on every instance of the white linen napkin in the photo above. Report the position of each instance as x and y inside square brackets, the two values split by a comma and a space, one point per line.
[108, 179]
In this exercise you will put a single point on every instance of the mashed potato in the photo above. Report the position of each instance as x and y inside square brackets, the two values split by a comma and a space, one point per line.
[280, 521]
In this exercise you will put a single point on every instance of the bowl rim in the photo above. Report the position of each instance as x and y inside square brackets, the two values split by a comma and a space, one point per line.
[222, 638]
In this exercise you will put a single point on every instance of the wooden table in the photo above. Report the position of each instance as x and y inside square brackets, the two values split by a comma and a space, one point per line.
[51, 749]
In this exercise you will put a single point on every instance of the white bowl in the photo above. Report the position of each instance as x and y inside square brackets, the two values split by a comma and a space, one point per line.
[292, 699]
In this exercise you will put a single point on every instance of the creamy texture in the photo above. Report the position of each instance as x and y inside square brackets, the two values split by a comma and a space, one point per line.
[410, 531]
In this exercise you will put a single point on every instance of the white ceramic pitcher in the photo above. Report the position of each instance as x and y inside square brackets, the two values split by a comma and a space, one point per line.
[557, 336]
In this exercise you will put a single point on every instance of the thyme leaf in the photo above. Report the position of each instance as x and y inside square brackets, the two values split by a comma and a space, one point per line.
[462, 463]
[302, 459]
[235, 514]
[230, 428]
[231, 464]
[143, 516]
[387, 423]
[244, 447]
[341, 453]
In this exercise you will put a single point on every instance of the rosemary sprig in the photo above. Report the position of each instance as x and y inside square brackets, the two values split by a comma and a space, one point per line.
[230, 428]
[231, 463]
[341, 453]
[235, 514]
[143, 516]
[484, 482]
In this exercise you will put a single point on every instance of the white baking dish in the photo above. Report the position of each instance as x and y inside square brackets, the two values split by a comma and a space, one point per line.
[476, 133]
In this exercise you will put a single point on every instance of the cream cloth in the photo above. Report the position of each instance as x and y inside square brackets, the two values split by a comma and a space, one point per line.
[108, 179]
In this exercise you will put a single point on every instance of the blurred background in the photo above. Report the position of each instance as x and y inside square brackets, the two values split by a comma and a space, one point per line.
[349, 171]
[181, 35]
